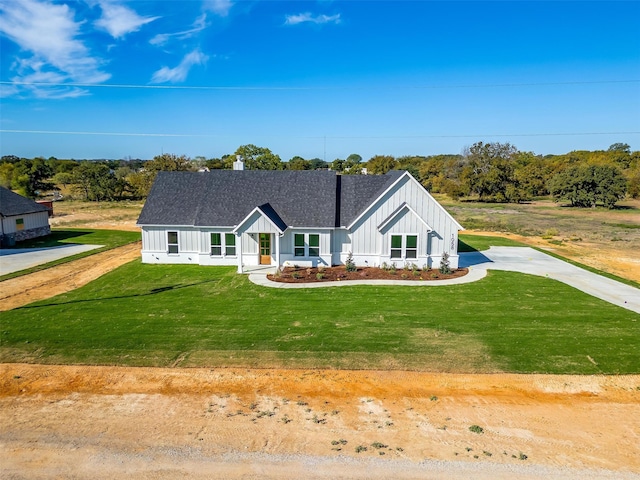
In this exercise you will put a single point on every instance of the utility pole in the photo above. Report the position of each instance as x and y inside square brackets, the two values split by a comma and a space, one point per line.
[325, 149]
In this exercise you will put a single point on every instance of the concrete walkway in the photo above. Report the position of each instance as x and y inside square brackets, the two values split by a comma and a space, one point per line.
[514, 259]
[16, 259]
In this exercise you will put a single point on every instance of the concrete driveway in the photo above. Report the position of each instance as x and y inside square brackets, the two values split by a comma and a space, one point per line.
[534, 262]
[16, 259]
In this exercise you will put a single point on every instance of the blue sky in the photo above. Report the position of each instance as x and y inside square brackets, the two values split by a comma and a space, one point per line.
[116, 79]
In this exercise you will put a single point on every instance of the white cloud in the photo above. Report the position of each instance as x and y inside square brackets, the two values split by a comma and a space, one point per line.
[48, 33]
[179, 73]
[310, 18]
[119, 20]
[199, 25]
[219, 7]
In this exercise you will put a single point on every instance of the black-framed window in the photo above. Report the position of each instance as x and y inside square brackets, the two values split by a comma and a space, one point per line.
[404, 247]
[217, 245]
[229, 244]
[306, 245]
[172, 242]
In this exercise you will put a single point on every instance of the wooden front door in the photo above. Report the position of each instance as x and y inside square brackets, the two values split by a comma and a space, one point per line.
[265, 249]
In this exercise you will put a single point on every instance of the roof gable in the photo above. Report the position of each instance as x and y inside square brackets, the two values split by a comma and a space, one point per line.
[12, 204]
[405, 207]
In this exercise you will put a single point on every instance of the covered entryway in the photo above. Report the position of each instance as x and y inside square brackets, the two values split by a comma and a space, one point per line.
[265, 249]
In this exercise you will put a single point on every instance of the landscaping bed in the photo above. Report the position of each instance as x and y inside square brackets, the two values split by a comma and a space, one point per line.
[339, 273]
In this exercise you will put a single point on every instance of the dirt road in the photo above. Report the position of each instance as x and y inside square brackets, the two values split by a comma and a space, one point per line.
[112, 422]
[63, 278]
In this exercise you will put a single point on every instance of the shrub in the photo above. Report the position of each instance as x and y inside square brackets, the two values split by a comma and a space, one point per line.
[350, 264]
[361, 448]
[295, 275]
[476, 429]
[319, 275]
[444, 264]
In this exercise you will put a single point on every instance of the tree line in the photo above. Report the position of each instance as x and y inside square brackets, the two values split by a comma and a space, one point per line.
[489, 172]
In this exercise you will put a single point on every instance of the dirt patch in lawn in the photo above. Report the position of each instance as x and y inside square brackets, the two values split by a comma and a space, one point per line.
[121, 422]
[340, 273]
[44, 284]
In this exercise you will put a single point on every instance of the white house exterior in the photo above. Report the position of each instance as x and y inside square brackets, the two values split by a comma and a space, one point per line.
[306, 218]
[21, 218]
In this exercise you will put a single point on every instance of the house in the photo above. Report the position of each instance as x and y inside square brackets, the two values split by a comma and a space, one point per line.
[21, 218]
[307, 218]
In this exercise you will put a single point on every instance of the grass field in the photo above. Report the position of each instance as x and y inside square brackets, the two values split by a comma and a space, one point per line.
[193, 316]
[108, 238]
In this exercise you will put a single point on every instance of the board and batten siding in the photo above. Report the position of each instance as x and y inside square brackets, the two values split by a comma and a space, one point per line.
[155, 245]
[31, 221]
[287, 248]
[205, 257]
[258, 223]
[368, 241]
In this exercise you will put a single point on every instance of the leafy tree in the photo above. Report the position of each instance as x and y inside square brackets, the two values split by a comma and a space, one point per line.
[633, 182]
[9, 159]
[620, 147]
[532, 173]
[141, 181]
[381, 164]
[337, 165]
[168, 162]
[586, 185]
[611, 185]
[6, 174]
[317, 163]
[298, 163]
[214, 164]
[258, 158]
[489, 170]
[96, 181]
[351, 165]
[31, 177]
[63, 178]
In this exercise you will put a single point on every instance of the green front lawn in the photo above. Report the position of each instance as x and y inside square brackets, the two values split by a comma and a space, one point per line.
[210, 316]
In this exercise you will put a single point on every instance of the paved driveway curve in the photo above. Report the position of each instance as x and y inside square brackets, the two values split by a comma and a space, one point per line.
[514, 259]
[16, 259]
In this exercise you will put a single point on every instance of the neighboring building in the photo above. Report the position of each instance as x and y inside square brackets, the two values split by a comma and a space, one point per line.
[21, 217]
[306, 218]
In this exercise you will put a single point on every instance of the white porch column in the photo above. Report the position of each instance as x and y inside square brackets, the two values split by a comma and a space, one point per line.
[277, 249]
[239, 242]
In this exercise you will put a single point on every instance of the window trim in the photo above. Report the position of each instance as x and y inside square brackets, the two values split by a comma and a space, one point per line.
[403, 248]
[19, 224]
[305, 249]
[224, 245]
[171, 244]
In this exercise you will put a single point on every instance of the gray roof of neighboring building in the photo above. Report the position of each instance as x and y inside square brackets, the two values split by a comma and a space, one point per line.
[12, 204]
[313, 199]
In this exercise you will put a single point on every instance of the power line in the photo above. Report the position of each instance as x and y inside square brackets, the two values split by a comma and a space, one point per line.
[310, 88]
[330, 137]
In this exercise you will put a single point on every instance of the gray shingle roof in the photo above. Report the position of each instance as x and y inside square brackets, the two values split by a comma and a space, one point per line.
[223, 198]
[12, 204]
